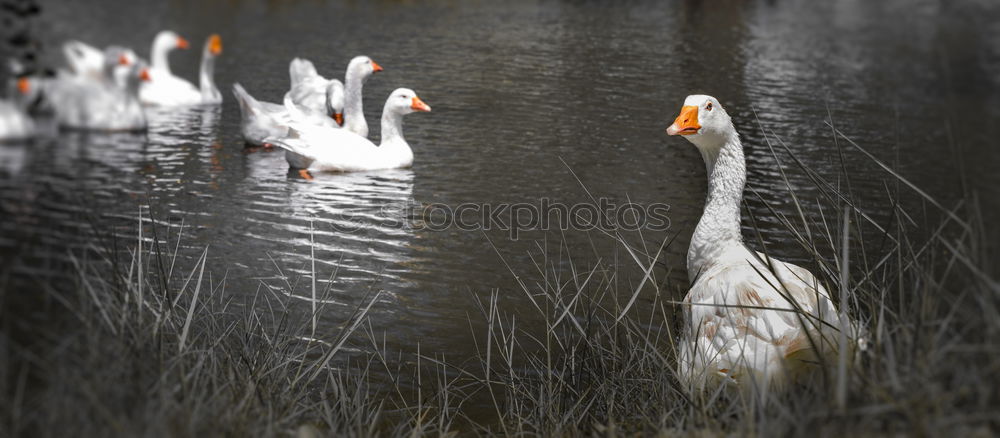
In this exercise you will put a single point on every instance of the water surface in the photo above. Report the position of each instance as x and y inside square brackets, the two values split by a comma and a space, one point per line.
[531, 100]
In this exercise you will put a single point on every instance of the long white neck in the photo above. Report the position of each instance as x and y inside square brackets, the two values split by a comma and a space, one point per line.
[206, 78]
[161, 48]
[394, 149]
[719, 227]
[392, 126]
[354, 114]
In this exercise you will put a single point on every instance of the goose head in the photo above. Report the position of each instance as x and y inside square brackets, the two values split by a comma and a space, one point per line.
[120, 55]
[213, 45]
[404, 101]
[704, 122]
[116, 59]
[362, 67]
[134, 75]
[28, 90]
[335, 101]
[169, 40]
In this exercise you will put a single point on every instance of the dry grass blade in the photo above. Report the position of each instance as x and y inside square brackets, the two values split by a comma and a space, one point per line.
[194, 301]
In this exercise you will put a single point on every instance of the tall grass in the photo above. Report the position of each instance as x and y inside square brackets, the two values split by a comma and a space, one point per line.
[150, 349]
[155, 348]
[927, 296]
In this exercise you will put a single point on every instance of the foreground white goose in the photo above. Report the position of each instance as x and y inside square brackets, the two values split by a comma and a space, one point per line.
[317, 148]
[747, 318]
[342, 102]
[262, 120]
[15, 124]
[166, 89]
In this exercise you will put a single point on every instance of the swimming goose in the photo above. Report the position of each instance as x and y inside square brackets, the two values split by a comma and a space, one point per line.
[262, 120]
[318, 148]
[15, 124]
[206, 74]
[342, 102]
[81, 102]
[358, 71]
[747, 317]
[165, 89]
[311, 90]
[82, 58]
[259, 120]
[315, 93]
[300, 69]
[86, 60]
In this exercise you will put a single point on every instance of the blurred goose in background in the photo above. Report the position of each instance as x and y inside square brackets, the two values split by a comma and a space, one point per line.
[82, 102]
[318, 148]
[15, 123]
[210, 93]
[86, 60]
[165, 89]
[26, 89]
[83, 59]
[342, 102]
[749, 319]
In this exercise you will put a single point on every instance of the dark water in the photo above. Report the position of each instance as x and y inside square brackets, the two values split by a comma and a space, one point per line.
[522, 92]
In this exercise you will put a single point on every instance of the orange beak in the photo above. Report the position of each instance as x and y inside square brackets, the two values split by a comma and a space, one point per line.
[123, 60]
[215, 45]
[686, 123]
[339, 118]
[23, 85]
[375, 66]
[182, 43]
[419, 105]
[144, 75]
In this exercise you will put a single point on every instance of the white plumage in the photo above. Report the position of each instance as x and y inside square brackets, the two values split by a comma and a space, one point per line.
[747, 318]
[322, 148]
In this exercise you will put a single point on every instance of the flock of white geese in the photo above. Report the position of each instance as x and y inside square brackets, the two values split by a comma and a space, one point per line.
[750, 320]
[320, 122]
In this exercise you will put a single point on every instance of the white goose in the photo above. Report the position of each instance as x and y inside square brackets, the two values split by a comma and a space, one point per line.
[317, 148]
[299, 70]
[747, 317]
[309, 89]
[262, 120]
[81, 102]
[86, 60]
[312, 91]
[259, 120]
[82, 58]
[166, 89]
[15, 124]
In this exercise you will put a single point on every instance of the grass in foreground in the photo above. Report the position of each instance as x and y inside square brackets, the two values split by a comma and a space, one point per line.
[150, 348]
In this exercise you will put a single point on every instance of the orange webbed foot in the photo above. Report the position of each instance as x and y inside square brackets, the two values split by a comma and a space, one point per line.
[304, 173]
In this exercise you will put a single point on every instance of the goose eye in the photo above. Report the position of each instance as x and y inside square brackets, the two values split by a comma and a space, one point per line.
[708, 107]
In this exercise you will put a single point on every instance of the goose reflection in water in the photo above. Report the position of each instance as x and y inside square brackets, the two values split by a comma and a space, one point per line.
[13, 158]
[105, 152]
